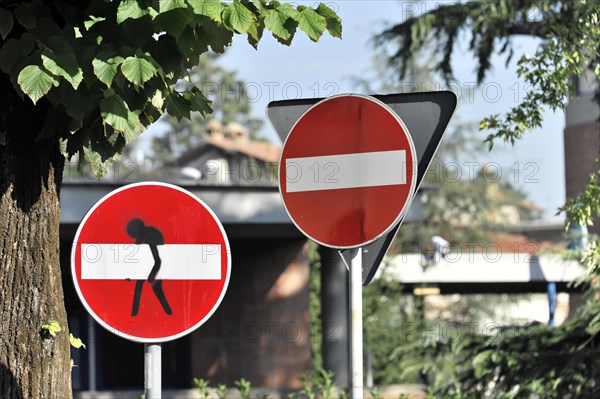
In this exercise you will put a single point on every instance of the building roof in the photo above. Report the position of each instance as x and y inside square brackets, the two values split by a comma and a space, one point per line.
[241, 208]
[260, 150]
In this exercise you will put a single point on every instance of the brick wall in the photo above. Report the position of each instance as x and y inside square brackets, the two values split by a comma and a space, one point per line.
[261, 330]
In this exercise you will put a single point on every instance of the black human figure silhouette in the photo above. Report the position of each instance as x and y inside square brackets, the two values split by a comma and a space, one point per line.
[152, 236]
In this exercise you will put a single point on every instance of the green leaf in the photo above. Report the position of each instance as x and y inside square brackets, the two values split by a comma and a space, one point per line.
[259, 4]
[312, 24]
[13, 50]
[274, 21]
[92, 21]
[480, 363]
[209, 8]
[76, 342]
[218, 37]
[188, 42]
[78, 102]
[157, 100]
[111, 143]
[334, 22]
[63, 146]
[64, 65]
[130, 9]
[36, 82]
[51, 328]
[168, 5]
[238, 17]
[116, 113]
[25, 14]
[48, 30]
[173, 22]
[289, 11]
[198, 102]
[98, 165]
[166, 52]
[177, 106]
[255, 33]
[6, 22]
[137, 70]
[106, 66]
[291, 25]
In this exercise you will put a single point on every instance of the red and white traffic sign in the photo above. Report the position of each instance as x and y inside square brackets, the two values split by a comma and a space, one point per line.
[347, 171]
[151, 262]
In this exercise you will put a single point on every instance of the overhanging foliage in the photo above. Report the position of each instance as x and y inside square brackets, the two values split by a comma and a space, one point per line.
[108, 68]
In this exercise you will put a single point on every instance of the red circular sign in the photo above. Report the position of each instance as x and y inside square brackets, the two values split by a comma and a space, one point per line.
[347, 171]
[150, 262]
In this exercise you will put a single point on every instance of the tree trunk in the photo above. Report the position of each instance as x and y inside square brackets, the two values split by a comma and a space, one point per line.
[32, 364]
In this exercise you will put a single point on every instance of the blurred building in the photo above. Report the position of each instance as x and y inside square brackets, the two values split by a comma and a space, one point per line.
[582, 137]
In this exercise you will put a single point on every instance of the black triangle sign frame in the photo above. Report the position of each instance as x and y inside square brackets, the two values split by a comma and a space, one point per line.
[426, 115]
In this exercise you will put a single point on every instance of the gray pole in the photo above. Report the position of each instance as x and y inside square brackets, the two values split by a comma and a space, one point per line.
[91, 328]
[356, 332]
[152, 371]
[335, 316]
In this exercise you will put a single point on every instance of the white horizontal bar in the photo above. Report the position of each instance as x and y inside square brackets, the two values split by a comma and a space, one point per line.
[332, 172]
[133, 261]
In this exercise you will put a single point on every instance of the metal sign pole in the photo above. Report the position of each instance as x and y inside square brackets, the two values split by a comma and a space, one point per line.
[152, 371]
[356, 327]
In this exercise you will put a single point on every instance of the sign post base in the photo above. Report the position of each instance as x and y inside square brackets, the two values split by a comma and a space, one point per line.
[152, 371]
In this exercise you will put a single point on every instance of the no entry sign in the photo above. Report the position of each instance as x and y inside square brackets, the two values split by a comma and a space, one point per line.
[150, 262]
[347, 171]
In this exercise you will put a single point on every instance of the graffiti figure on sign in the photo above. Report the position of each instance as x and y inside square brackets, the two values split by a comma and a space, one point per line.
[153, 237]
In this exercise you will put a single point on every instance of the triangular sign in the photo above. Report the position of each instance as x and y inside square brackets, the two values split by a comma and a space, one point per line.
[426, 115]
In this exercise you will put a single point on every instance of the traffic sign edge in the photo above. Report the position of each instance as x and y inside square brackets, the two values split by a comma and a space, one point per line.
[412, 190]
[106, 325]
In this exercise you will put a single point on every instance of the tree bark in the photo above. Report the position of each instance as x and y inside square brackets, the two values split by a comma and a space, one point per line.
[32, 364]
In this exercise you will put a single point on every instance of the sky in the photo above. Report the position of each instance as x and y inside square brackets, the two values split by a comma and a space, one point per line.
[331, 66]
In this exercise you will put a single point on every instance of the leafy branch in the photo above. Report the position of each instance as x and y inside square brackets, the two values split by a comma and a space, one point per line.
[491, 26]
[110, 70]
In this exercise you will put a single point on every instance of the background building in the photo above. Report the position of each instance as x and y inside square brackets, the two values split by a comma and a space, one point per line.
[582, 137]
